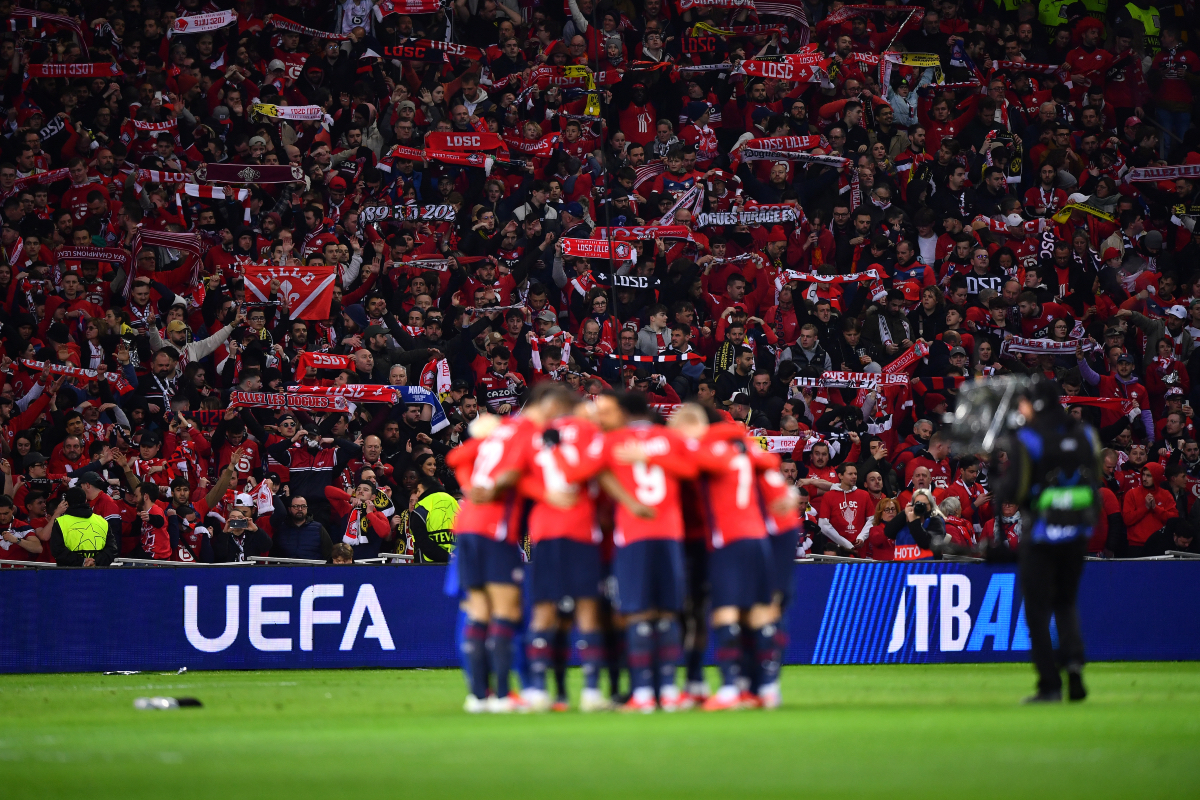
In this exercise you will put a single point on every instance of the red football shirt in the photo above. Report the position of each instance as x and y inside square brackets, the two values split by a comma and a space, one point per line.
[654, 483]
[567, 466]
[480, 463]
[728, 485]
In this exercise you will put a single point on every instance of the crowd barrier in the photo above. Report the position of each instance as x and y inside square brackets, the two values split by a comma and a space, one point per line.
[131, 618]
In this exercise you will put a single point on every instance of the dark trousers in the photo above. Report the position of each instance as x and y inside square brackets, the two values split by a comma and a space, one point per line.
[1050, 576]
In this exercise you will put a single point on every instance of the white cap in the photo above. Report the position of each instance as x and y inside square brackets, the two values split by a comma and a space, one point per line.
[244, 499]
[1178, 311]
[275, 64]
[1014, 220]
[1078, 197]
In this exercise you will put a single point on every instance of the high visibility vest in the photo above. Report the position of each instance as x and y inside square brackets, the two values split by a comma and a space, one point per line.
[1096, 8]
[1151, 24]
[84, 534]
[439, 510]
[1009, 5]
[1053, 13]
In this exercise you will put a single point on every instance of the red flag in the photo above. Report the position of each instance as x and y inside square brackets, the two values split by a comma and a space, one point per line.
[308, 288]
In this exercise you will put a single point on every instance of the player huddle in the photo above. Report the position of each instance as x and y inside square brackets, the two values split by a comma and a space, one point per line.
[649, 536]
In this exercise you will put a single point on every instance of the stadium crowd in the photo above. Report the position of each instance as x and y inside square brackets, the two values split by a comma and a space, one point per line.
[818, 221]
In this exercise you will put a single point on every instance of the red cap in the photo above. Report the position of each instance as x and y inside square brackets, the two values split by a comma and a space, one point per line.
[337, 182]
[776, 234]
[1192, 158]
[912, 291]
[933, 400]
[1110, 253]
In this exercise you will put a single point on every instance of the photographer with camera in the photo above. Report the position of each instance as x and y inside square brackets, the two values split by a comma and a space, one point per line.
[239, 538]
[920, 526]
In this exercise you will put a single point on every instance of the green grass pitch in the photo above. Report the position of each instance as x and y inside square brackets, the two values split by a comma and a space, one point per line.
[889, 732]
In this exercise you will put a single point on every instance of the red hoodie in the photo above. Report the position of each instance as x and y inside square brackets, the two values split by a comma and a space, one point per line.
[1140, 521]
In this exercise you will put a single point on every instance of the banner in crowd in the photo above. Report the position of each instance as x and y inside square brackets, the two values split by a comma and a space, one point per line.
[309, 402]
[406, 213]
[293, 113]
[109, 70]
[644, 233]
[423, 396]
[1018, 344]
[913, 612]
[446, 156]
[918, 60]
[202, 23]
[793, 9]
[427, 47]
[800, 67]
[756, 154]
[1191, 171]
[812, 277]
[308, 287]
[409, 394]
[597, 248]
[157, 176]
[852, 380]
[38, 19]
[249, 173]
[387, 7]
[362, 392]
[543, 147]
[784, 143]
[115, 378]
[284, 24]
[779, 444]
[686, 5]
[1064, 216]
[657, 359]
[772, 214]
[475, 140]
[113, 255]
[1114, 403]
[307, 361]
[42, 178]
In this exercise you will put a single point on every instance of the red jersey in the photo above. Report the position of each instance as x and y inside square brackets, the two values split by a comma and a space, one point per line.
[728, 485]
[847, 512]
[564, 467]
[245, 466]
[478, 463]
[1039, 327]
[155, 540]
[654, 483]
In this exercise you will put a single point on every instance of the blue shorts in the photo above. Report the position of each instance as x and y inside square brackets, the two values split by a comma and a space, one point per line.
[564, 568]
[741, 573]
[783, 562]
[649, 576]
[695, 560]
[483, 560]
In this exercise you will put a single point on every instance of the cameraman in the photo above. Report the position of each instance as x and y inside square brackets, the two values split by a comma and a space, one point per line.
[239, 538]
[921, 525]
